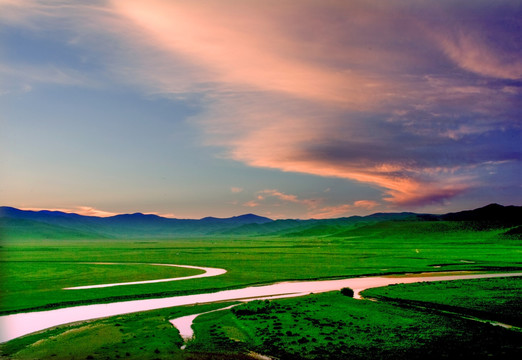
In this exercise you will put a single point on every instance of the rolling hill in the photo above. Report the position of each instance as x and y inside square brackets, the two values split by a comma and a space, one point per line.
[18, 223]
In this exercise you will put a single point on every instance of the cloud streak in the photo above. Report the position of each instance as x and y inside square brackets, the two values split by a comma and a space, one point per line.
[89, 211]
[413, 98]
[81, 210]
[356, 90]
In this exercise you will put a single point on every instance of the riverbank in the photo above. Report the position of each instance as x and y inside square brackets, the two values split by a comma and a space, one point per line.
[21, 324]
[333, 326]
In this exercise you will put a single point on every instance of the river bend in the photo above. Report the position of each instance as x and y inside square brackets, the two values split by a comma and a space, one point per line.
[16, 325]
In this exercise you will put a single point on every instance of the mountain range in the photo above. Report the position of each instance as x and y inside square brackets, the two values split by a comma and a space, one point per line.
[55, 224]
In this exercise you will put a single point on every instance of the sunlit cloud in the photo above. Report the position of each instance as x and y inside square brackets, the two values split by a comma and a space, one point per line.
[331, 212]
[90, 211]
[81, 210]
[262, 195]
[471, 47]
[277, 198]
[236, 190]
[281, 101]
[412, 98]
[334, 211]
[251, 203]
[366, 204]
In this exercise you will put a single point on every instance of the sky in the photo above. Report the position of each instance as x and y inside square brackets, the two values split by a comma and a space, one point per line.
[282, 108]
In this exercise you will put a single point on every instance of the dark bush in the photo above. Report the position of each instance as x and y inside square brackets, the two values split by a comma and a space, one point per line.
[347, 292]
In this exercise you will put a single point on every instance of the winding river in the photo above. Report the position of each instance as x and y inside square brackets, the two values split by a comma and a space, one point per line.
[16, 325]
[207, 271]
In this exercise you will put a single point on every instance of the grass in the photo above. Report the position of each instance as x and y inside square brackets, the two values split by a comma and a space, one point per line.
[321, 326]
[141, 336]
[496, 299]
[24, 282]
[34, 271]
[333, 326]
[409, 246]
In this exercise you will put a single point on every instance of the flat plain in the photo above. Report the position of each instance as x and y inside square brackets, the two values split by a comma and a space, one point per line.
[35, 270]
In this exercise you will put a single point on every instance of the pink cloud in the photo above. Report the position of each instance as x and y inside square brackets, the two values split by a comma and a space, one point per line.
[251, 203]
[271, 98]
[80, 210]
[90, 211]
[311, 88]
[468, 48]
[252, 47]
[285, 197]
[366, 204]
[331, 212]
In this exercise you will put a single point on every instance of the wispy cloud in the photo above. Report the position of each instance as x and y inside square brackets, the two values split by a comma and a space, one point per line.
[323, 106]
[326, 212]
[382, 93]
[331, 211]
[278, 198]
[91, 211]
[81, 210]
[22, 78]
[479, 36]
[251, 203]
[316, 208]
[366, 204]
[261, 195]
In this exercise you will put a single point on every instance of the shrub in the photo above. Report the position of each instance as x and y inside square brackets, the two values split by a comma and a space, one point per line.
[347, 292]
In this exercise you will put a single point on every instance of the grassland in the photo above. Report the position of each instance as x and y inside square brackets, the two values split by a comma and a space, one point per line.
[322, 326]
[34, 271]
[141, 336]
[333, 326]
[498, 299]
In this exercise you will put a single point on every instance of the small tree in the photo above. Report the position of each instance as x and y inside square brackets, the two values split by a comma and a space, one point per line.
[347, 292]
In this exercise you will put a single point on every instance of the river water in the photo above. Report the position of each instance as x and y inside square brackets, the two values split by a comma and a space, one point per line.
[206, 273]
[16, 325]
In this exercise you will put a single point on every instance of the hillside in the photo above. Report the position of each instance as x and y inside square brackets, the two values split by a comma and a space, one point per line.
[125, 225]
[42, 224]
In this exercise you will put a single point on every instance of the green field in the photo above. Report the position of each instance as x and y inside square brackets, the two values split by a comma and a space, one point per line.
[498, 299]
[323, 326]
[333, 326]
[34, 271]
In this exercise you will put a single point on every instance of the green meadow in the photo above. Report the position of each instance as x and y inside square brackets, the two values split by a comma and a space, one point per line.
[35, 270]
[333, 326]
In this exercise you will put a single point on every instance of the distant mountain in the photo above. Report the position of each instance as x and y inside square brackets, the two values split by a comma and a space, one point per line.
[239, 220]
[124, 225]
[30, 229]
[490, 213]
[46, 223]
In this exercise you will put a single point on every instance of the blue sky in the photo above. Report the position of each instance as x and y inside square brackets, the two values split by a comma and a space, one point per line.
[281, 108]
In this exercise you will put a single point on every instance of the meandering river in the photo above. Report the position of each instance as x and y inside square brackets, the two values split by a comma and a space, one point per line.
[16, 325]
[207, 271]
